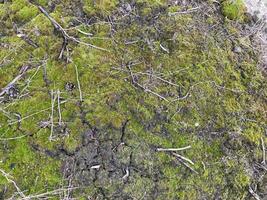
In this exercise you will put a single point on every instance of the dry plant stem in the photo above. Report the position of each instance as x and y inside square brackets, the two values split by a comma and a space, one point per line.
[65, 35]
[184, 12]
[256, 196]
[142, 87]
[149, 74]
[9, 179]
[46, 195]
[263, 152]
[78, 83]
[183, 158]
[174, 149]
[33, 114]
[53, 99]
[59, 109]
[126, 174]
[186, 165]
[30, 79]
[17, 78]
[13, 138]
[26, 117]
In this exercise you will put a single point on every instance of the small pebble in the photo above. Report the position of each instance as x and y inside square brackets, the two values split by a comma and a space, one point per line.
[237, 49]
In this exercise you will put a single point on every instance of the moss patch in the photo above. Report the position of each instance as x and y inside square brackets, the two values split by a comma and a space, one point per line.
[234, 9]
[94, 119]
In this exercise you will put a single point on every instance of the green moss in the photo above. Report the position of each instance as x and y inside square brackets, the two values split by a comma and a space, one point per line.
[99, 6]
[233, 9]
[213, 102]
[26, 13]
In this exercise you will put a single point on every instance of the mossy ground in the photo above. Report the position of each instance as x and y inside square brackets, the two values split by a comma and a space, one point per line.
[234, 9]
[195, 90]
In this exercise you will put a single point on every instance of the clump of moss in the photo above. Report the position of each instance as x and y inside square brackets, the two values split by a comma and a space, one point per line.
[99, 6]
[234, 9]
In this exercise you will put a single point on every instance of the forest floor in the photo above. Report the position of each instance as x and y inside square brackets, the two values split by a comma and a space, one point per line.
[132, 99]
